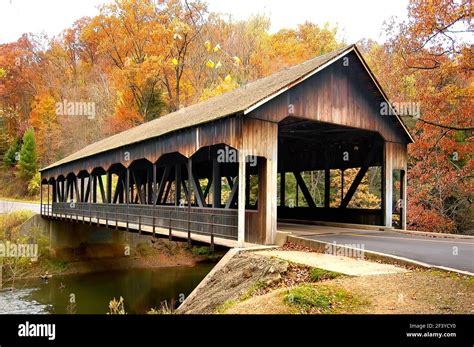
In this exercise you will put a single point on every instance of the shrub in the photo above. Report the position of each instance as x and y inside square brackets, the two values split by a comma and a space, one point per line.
[10, 221]
[201, 250]
[34, 184]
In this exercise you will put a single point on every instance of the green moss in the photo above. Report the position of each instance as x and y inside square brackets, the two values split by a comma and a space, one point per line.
[320, 275]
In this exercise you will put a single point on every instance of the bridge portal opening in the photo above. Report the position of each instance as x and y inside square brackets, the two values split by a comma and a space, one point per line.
[329, 172]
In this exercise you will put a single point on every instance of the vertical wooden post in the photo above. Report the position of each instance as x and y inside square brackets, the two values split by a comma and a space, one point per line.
[54, 192]
[63, 195]
[41, 198]
[296, 193]
[94, 188]
[247, 188]
[89, 197]
[58, 189]
[403, 196]
[154, 187]
[271, 172]
[241, 201]
[342, 185]
[82, 189]
[121, 188]
[150, 185]
[72, 188]
[132, 189]
[127, 186]
[212, 234]
[48, 200]
[127, 191]
[216, 184]
[177, 184]
[387, 174]
[190, 177]
[109, 187]
[282, 189]
[327, 188]
[76, 189]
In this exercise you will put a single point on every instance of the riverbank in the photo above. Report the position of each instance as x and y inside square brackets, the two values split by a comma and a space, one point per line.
[266, 283]
[147, 254]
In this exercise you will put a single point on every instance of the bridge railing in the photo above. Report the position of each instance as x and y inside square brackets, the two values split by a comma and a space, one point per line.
[215, 222]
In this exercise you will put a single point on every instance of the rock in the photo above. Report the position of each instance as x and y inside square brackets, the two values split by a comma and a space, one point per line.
[247, 273]
[274, 279]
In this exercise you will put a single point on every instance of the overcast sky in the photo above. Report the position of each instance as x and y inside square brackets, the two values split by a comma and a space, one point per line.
[356, 18]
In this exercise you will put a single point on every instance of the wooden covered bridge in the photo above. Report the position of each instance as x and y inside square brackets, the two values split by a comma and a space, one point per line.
[221, 168]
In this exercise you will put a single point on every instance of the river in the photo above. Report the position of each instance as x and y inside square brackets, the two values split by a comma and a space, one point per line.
[142, 289]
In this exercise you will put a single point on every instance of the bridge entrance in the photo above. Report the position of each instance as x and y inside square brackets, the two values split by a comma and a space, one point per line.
[329, 172]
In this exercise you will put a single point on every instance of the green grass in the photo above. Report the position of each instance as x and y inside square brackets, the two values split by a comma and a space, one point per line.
[320, 275]
[467, 280]
[252, 290]
[226, 306]
[321, 299]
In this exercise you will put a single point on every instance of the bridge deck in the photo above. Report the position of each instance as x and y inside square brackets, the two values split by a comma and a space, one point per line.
[210, 225]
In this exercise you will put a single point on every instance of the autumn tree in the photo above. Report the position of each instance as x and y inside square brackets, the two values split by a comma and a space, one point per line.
[17, 84]
[428, 62]
[44, 120]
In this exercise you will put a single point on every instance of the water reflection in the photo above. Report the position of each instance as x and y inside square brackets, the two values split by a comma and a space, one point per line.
[142, 289]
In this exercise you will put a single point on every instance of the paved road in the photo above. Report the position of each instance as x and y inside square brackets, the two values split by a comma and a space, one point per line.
[10, 206]
[453, 253]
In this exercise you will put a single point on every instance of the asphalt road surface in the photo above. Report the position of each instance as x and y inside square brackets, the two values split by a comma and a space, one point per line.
[11, 206]
[452, 253]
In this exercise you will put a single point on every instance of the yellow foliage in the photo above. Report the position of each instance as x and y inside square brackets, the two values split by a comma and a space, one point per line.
[210, 64]
[224, 86]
